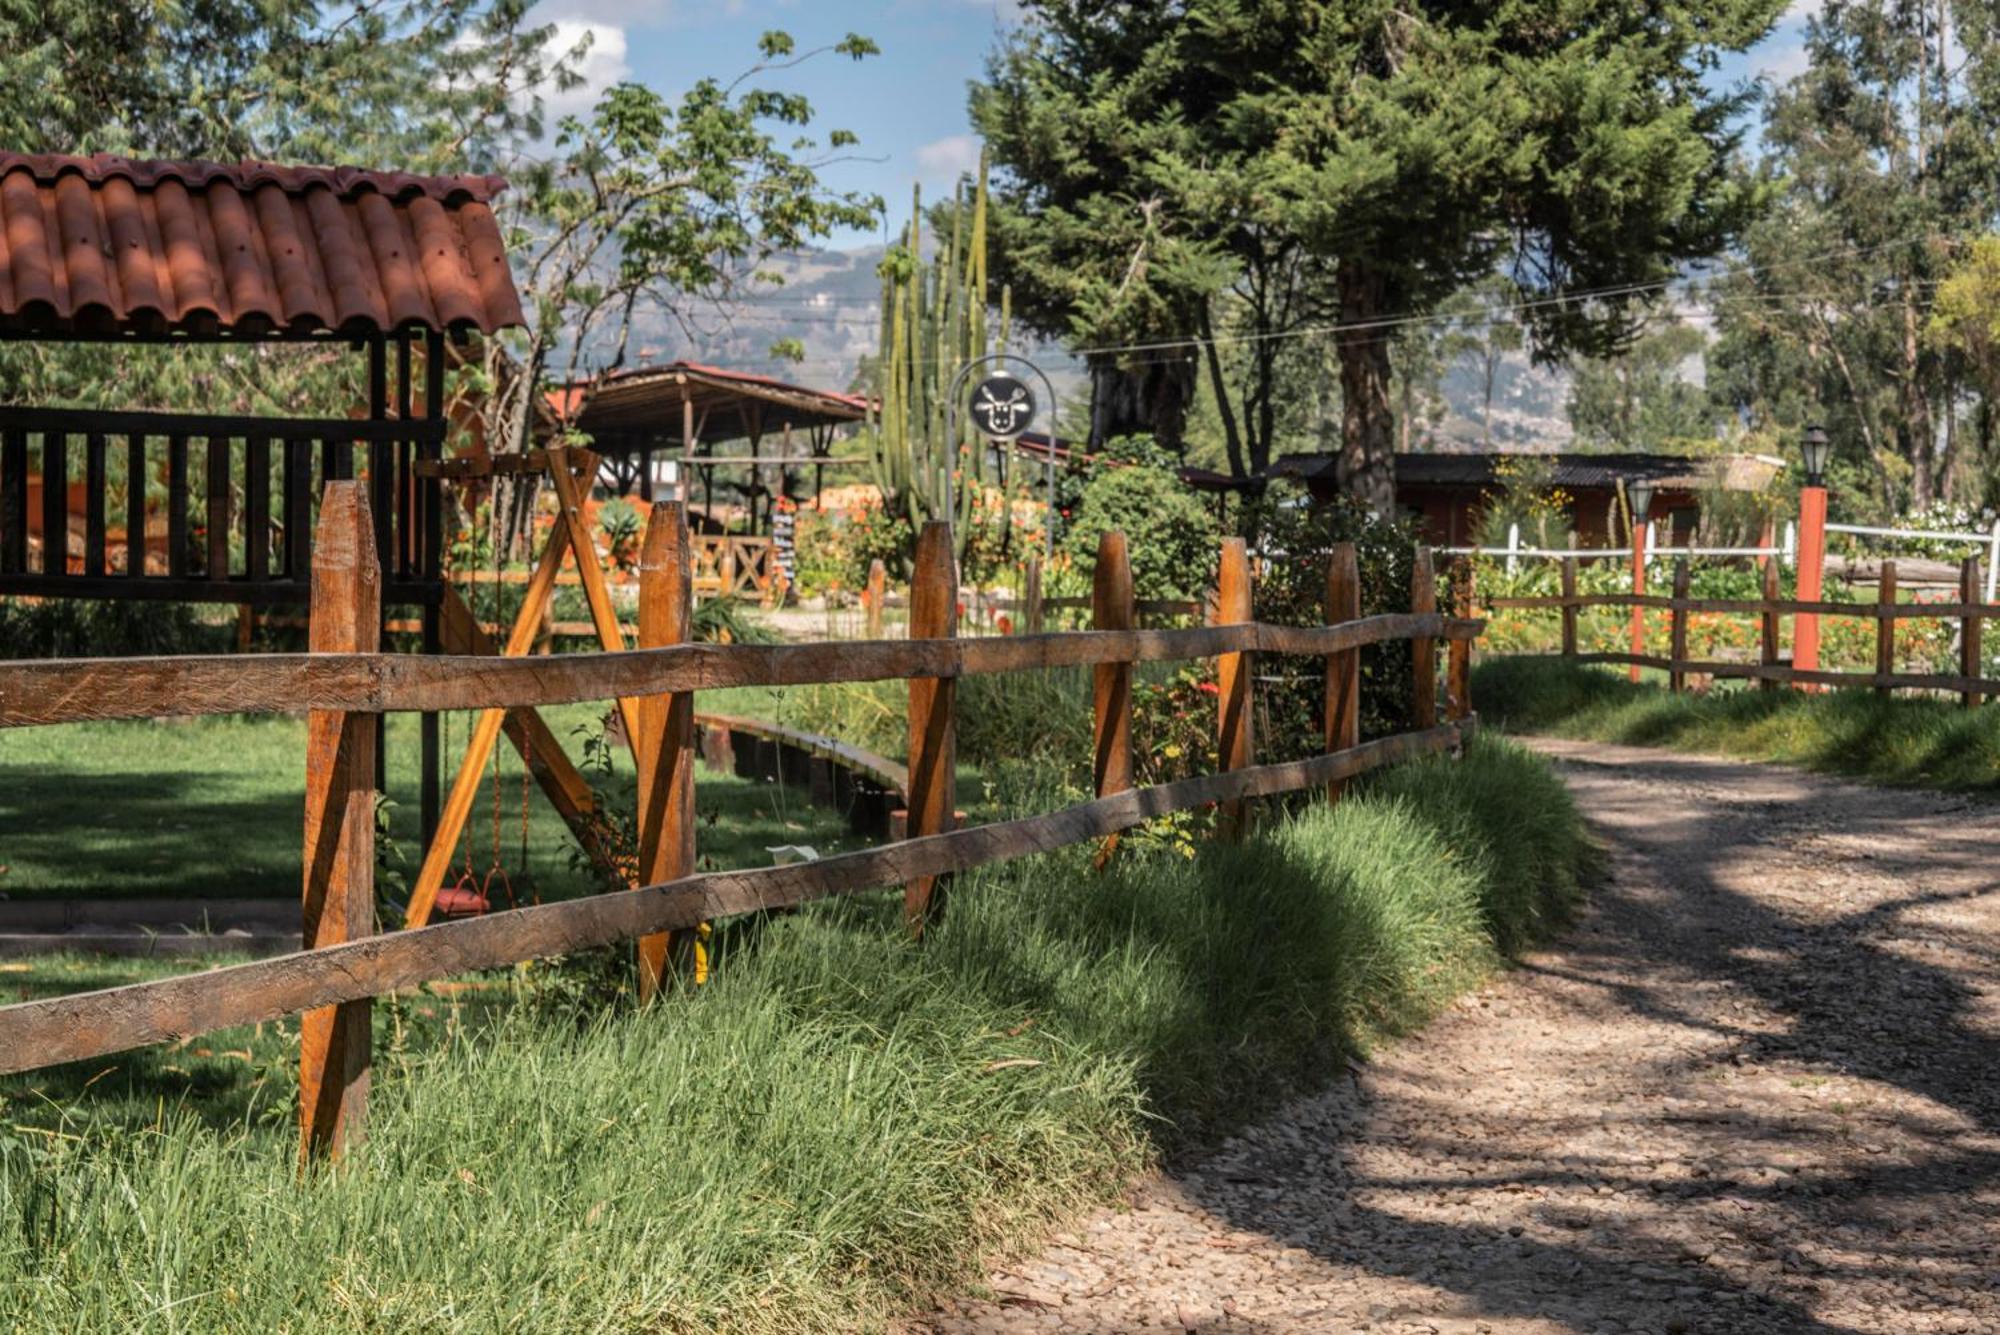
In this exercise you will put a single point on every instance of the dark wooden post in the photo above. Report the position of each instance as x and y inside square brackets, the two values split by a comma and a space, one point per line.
[1458, 653]
[878, 593]
[339, 899]
[1677, 630]
[1343, 669]
[1423, 649]
[933, 741]
[1569, 607]
[666, 727]
[1235, 746]
[1113, 607]
[1769, 627]
[1031, 596]
[1885, 627]
[1971, 592]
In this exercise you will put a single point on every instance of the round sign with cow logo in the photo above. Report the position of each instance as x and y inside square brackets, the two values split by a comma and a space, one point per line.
[1002, 406]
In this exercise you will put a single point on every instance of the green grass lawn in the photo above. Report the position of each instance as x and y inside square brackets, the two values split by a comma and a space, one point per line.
[837, 1128]
[1905, 739]
[214, 807]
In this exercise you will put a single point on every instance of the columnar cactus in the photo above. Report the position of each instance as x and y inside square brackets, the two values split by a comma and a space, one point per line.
[934, 321]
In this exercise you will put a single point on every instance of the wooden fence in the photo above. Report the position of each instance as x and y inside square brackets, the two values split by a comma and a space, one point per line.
[344, 681]
[1970, 682]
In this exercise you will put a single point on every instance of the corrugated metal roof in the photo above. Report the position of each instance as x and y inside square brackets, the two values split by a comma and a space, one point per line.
[646, 401]
[107, 245]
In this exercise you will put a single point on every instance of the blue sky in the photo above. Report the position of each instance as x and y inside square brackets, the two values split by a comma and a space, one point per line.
[908, 104]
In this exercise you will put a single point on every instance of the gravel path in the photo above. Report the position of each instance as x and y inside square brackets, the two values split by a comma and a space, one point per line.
[1755, 1089]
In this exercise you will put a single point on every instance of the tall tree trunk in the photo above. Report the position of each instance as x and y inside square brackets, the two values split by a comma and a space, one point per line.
[1232, 439]
[1367, 466]
[1916, 406]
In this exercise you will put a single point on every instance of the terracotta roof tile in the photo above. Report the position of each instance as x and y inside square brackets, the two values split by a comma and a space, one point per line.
[104, 245]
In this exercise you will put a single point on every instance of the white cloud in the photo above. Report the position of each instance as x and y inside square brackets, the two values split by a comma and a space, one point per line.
[945, 159]
[603, 64]
[1784, 63]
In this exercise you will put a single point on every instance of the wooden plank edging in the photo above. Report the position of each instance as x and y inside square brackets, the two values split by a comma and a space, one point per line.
[94, 1024]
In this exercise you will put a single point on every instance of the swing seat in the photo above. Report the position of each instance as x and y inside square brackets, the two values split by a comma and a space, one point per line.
[459, 901]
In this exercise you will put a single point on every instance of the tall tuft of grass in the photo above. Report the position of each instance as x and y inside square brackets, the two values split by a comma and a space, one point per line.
[1904, 740]
[834, 1129]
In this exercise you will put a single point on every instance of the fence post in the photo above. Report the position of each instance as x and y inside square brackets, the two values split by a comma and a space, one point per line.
[1640, 532]
[1885, 627]
[1031, 594]
[1969, 655]
[877, 594]
[666, 729]
[339, 891]
[1235, 747]
[1513, 548]
[933, 742]
[1992, 561]
[1569, 608]
[1458, 653]
[1769, 628]
[1343, 669]
[1677, 631]
[1423, 649]
[1112, 607]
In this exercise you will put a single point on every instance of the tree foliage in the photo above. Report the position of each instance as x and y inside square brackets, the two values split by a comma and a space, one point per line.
[1356, 161]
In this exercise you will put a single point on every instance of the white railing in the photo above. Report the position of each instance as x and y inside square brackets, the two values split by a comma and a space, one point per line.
[1990, 540]
[1656, 550]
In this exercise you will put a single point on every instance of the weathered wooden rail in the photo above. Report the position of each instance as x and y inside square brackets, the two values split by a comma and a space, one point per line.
[1970, 683]
[343, 685]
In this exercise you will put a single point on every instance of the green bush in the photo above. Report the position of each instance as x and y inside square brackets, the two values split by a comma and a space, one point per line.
[1170, 536]
[93, 628]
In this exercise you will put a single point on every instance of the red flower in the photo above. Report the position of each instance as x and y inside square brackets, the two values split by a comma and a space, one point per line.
[1208, 687]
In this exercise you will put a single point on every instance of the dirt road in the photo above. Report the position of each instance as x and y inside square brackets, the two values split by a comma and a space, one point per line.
[1757, 1088]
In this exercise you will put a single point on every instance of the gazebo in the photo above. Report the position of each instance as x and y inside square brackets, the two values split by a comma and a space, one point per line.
[683, 411]
[107, 249]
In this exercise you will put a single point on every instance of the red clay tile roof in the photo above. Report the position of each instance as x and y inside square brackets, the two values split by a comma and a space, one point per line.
[107, 245]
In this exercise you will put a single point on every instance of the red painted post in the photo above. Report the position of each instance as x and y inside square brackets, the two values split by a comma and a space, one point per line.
[1812, 567]
[1639, 534]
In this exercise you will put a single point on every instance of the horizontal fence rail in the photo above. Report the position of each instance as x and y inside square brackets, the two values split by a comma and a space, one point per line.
[76, 690]
[95, 1024]
[1971, 683]
[343, 686]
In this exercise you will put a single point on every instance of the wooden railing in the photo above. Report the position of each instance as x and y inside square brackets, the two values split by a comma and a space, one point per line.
[345, 681]
[1970, 683]
[236, 521]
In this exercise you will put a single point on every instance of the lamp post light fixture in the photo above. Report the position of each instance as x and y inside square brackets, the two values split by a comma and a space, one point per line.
[1639, 495]
[1817, 452]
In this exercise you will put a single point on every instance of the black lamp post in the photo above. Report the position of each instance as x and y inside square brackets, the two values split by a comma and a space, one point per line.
[1818, 452]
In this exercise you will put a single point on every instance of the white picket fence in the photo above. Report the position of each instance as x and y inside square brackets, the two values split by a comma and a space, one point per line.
[1787, 553]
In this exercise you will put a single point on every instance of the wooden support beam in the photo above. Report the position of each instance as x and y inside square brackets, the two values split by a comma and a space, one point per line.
[1885, 627]
[1031, 596]
[1767, 626]
[1235, 747]
[933, 736]
[1423, 649]
[571, 492]
[465, 787]
[666, 732]
[539, 748]
[1569, 608]
[1343, 668]
[1458, 653]
[1971, 589]
[1112, 607]
[1677, 627]
[339, 891]
[876, 595]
